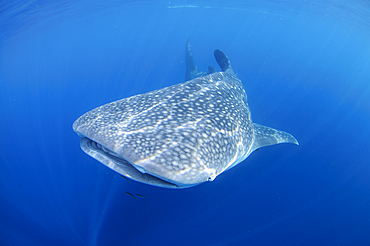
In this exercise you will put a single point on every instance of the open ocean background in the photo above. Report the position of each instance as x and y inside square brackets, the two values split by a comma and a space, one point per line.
[305, 66]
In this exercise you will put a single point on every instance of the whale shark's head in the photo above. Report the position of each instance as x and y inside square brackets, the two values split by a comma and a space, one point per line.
[176, 137]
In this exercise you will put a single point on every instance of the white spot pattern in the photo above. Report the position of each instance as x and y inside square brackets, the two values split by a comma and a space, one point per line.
[186, 133]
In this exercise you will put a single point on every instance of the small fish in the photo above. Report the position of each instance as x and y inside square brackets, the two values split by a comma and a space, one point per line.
[125, 178]
[142, 196]
[128, 193]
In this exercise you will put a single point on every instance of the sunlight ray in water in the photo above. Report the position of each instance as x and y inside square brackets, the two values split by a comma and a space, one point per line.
[101, 208]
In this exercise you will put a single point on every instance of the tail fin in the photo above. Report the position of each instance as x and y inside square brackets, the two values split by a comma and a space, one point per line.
[192, 70]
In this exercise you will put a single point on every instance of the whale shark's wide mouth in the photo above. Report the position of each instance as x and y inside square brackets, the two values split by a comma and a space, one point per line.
[120, 165]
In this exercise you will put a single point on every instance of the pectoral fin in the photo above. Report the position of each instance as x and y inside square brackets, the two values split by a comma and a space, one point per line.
[265, 136]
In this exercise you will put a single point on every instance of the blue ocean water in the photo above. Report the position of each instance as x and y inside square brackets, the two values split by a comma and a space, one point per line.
[305, 66]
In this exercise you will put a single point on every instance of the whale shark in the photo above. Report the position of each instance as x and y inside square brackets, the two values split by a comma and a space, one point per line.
[178, 136]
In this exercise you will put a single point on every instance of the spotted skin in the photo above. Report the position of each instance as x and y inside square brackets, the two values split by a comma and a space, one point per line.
[178, 136]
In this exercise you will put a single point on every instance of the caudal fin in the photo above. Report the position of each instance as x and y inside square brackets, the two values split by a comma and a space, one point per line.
[192, 70]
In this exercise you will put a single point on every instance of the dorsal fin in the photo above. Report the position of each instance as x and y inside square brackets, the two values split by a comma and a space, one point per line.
[211, 70]
[222, 61]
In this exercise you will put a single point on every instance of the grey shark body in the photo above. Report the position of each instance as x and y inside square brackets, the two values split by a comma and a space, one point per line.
[178, 136]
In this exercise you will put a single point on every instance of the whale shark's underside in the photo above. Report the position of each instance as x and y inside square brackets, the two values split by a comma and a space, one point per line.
[181, 135]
